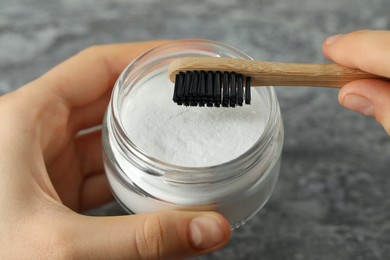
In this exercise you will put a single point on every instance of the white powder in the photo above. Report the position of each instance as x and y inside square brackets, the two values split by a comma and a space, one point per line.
[194, 137]
[189, 136]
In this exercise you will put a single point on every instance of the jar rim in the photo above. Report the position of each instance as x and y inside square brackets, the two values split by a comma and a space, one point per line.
[184, 174]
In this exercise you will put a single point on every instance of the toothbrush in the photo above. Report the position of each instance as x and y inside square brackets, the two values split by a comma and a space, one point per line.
[221, 81]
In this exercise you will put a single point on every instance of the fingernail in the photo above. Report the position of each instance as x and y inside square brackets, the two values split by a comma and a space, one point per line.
[205, 232]
[332, 39]
[359, 104]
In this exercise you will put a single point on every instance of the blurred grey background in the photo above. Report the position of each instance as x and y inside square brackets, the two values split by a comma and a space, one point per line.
[332, 198]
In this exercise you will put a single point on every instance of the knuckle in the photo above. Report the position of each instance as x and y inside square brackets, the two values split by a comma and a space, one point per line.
[150, 240]
[93, 49]
[93, 53]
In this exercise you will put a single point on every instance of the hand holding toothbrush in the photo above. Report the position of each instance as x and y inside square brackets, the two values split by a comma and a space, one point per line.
[370, 52]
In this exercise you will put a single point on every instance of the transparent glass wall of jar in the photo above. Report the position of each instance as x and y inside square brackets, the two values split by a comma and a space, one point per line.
[140, 183]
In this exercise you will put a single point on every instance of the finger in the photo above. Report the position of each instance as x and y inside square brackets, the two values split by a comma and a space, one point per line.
[90, 152]
[162, 235]
[89, 115]
[368, 97]
[95, 191]
[89, 74]
[366, 50]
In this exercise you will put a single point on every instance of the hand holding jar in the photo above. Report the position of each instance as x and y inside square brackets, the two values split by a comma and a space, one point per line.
[49, 172]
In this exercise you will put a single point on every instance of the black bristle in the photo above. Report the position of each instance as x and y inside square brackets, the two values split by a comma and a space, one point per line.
[194, 88]
[186, 88]
[202, 89]
[233, 90]
[240, 90]
[248, 91]
[212, 89]
[175, 98]
[217, 89]
[225, 85]
[179, 88]
[209, 89]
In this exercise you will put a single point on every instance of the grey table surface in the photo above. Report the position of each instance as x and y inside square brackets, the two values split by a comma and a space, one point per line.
[332, 197]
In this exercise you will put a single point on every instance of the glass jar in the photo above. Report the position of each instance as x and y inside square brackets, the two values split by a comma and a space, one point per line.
[237, 188]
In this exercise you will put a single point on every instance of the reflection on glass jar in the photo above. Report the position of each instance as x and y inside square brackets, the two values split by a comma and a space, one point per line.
[159, 155]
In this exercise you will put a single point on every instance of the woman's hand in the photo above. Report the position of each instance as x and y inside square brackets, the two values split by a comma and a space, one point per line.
[368, 51]
[48, 173]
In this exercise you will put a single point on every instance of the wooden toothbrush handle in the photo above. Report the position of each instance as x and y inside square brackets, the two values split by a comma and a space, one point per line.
[290, 74]
[275, 73]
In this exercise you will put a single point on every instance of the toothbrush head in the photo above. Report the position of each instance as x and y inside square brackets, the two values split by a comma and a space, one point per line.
[212, 89]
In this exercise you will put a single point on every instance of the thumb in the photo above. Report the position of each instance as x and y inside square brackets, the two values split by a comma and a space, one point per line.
[368, 97]
[161, 235]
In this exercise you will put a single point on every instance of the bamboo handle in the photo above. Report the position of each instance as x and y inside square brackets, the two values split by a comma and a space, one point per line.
[264, 73]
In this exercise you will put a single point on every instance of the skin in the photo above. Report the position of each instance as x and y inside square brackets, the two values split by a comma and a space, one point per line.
[49, 173]
[368, 51]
